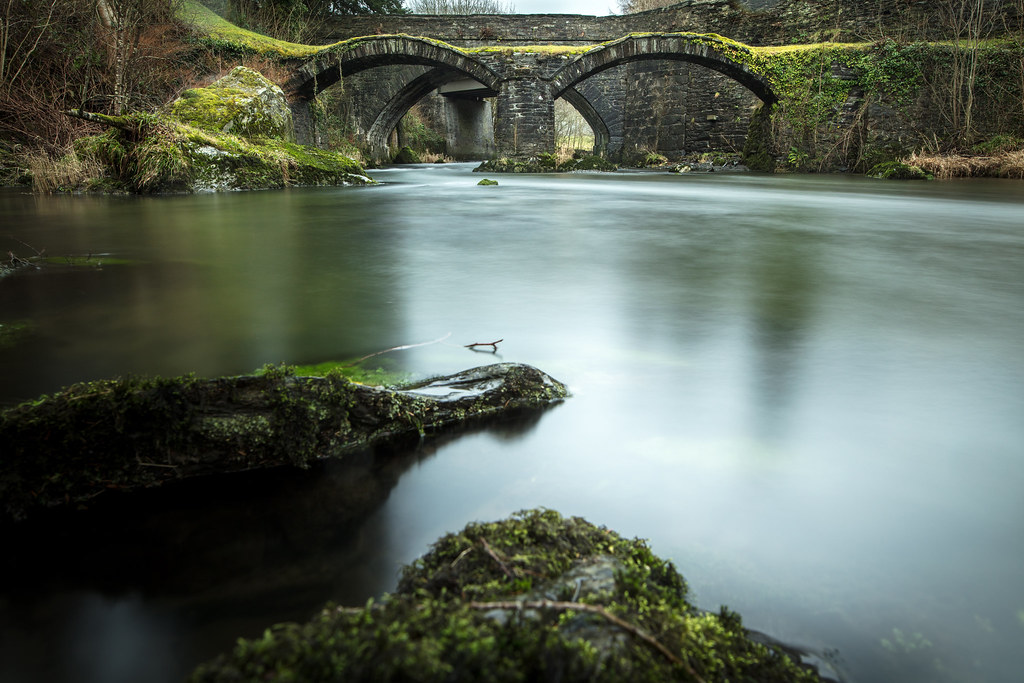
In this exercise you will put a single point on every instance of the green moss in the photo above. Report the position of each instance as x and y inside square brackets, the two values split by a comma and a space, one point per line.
[999, 144]
[897, 170]
[448, 620]
[487, 181]
[545, 163]
[533, 49]
[225, 36]
[135, 433]
[162, 154]
[354, 371]
[406, 155]
[642, 158]
[588, 162]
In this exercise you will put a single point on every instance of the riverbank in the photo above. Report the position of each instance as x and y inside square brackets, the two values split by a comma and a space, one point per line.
[1005, 164]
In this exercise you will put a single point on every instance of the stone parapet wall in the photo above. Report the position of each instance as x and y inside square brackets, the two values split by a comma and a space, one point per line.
[757, 22]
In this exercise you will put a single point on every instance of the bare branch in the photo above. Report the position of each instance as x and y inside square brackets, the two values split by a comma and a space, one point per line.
[590, 609]
[493, 344]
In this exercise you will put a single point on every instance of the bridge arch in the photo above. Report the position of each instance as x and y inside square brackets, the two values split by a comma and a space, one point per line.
[326, 67]
[592, 116]
[706, 50]
[388, 118]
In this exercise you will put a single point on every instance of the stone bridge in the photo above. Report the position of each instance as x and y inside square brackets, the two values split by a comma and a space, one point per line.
[651, 81]
[525, 82]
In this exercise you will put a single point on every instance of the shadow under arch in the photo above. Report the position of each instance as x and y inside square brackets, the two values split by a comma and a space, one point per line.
[388, 117]
[592, 116]
[706, 50]
[325, 68]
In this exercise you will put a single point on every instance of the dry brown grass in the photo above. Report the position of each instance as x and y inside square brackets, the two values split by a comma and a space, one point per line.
[63, 173]
[434, 158]
[1008, 164]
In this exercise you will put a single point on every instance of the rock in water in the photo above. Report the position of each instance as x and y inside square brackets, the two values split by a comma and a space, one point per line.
[536, 597]
[135, 433]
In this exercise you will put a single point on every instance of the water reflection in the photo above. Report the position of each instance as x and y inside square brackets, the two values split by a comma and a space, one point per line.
[806, 390]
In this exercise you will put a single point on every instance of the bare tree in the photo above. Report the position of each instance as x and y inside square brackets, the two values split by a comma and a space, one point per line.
[969, 22]
[634, 6]
[461, 7]
[20, 34]
[571, 130]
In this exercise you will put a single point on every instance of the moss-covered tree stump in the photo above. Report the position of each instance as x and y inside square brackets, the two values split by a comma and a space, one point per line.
[536, 597]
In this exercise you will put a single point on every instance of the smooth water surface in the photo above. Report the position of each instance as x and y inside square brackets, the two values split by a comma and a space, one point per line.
[807, 391]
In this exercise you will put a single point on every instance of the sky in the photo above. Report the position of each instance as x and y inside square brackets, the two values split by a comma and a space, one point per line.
[596, 7]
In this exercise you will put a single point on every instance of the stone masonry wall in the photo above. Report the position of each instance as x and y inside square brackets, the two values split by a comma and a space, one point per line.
[677, 108]
[670, 107]
[757, 22]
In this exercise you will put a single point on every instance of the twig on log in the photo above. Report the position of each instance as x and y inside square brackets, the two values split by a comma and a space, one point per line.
[494, 556]
[102, 119]
[396, 348]
[493, 345]
[591, 609]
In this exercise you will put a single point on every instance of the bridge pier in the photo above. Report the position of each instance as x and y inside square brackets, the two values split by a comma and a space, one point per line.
[469, 127]
[525, 121]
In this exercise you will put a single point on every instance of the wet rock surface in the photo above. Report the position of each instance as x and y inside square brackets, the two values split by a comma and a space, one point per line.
[128, 434]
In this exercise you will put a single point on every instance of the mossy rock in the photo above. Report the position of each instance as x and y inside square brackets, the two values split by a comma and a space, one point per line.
[536, 597]
[136, 433]
[243, 103]
[147, 153]
[407, 155]
[545, 163]
[897, 170]
[645, 159]
[487, 181]
[590, 162]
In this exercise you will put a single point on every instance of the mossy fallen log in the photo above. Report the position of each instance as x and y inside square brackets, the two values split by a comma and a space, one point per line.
[134, 433]
[536, 597]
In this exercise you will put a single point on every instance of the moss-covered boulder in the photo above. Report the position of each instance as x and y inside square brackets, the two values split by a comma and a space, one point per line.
[406, 155]
[644, 159]
[134, 433]
[243, 103]
[236, 134]
[536, 597]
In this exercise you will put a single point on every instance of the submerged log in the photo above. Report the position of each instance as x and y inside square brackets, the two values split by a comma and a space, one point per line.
[134, 433]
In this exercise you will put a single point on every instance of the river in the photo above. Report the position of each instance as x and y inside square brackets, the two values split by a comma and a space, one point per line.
[808, 391]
